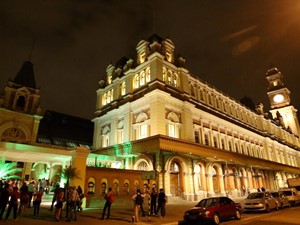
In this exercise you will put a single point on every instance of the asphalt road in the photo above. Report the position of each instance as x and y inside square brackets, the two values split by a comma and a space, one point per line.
[174, 213]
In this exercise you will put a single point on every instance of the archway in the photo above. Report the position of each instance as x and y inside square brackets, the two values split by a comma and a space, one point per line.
[175, 178]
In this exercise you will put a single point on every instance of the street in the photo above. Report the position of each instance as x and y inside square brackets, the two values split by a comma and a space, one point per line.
[174, 212]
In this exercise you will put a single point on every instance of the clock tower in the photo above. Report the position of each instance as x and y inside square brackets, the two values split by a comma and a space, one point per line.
[280, 101]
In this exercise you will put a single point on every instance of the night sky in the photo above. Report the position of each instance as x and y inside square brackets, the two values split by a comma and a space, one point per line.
[228, 43]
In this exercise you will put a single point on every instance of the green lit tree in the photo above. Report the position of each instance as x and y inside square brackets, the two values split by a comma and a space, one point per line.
[8, 170]
[69, 173]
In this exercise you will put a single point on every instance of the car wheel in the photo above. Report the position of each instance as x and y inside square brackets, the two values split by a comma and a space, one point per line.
[282, 205]
[216, 219]
[237, 215]
[267, 208]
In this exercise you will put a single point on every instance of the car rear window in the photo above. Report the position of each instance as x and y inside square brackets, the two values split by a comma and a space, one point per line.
[275, 194]
[255, 195]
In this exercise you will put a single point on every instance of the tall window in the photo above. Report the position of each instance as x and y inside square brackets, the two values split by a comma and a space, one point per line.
[123, 88]
[173, 125]
[105, 136]
[141, 126]
[120, 132]
[143, 78]
[109, 79]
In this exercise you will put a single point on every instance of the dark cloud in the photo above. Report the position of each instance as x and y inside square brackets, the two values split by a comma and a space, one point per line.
[230, 44]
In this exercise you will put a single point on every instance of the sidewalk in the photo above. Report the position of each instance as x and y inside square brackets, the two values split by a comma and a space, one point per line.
[119, 214]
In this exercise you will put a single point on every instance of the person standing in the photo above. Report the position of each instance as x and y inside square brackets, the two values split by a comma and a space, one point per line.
[161, 203]
[31, 190]
[37, 201]
[4, 196]
[13, 203]
[109, 199]
[138, 201]
[153, 201]
[59, 204]
[72, 205]
[79, 200]
[24, 196]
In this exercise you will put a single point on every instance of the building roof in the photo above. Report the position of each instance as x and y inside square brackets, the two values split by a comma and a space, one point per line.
[65, 130]
[25, 76]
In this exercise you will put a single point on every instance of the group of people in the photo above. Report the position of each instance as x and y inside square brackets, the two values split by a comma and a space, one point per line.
[157, 203]
[72, 196]
[19, 199]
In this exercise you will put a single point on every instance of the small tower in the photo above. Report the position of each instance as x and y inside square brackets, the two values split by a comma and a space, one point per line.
[20, 110]
[280, 100]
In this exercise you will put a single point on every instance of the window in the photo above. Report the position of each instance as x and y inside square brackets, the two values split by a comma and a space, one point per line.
[173, 125]
[105, 136]
[206, 139]
[196, 133]
[123, 88]
[136, 81]
[148, 74]
[109, 79]
[141, 126]
[143, 78]
[175, 80]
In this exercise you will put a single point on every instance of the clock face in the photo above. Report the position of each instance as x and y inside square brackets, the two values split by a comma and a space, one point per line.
[278, 98]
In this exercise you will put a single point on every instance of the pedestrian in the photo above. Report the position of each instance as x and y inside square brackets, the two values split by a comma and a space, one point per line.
[138, 201]
[4, 197]
[263, 189]
[79, 201]
[55, 195]
[72, 204]
[31, 191]
[13, 203]
[153, 201]
[24, 197]
[59, 204]
[109, 199]
[162, 199]
[37, 201]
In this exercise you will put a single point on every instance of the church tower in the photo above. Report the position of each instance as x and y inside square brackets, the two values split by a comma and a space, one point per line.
[20, 110]
[280, 100]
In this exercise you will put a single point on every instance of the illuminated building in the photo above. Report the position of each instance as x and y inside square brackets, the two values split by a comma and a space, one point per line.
[153, 115]
[41, 144]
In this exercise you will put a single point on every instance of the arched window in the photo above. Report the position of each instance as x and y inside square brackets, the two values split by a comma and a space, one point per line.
[173, 125]
[20, 102]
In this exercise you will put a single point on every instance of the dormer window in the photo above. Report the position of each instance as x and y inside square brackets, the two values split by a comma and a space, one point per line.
[123, 88]
[109, 79]
[169, 56]
[142, 57]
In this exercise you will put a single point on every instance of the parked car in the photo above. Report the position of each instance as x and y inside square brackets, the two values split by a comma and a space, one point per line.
[291, 194]
[260, 201]
[281, 198]
[212, 210]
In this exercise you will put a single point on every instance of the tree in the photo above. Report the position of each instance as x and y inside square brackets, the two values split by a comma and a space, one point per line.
[69, 173]
[8, 170]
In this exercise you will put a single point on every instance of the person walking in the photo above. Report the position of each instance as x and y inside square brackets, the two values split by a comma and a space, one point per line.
[138, 201]
[55, 195]
[161, 203]
[37, 201]
[109, 199]
[4, 197]
[13, 203]
[153, 201]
